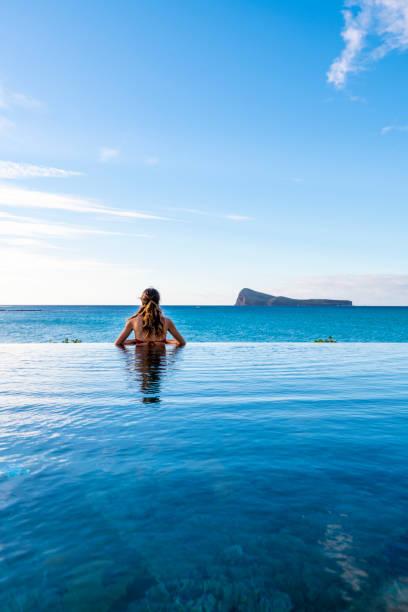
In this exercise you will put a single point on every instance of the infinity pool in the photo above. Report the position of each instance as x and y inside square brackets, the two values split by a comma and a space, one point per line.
[217, 477]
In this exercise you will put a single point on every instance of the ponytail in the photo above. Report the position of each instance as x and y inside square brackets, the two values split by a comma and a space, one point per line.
[152, 319]
[151, 313]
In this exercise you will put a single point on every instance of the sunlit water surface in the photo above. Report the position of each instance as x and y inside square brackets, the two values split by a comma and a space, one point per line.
[213, 477]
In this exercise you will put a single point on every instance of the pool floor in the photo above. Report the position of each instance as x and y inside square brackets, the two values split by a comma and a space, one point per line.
[216, 477]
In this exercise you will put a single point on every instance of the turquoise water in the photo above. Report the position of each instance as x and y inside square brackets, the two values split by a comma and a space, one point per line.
[209, 323]
[213, 477]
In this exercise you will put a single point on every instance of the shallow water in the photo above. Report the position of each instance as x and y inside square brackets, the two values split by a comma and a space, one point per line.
[212, 477]
[209, 323]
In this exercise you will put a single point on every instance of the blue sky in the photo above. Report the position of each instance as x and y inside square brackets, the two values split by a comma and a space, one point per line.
[201, 147]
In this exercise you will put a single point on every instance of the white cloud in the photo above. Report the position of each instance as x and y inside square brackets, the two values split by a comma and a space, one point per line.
[353, 35]
[5, 124]
[393, 128]
[372, 29]
[14, 170]
[108, 153]
[16, 197]
[152, 161]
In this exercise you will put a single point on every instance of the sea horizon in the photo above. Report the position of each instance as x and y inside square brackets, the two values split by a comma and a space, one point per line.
[62, 305]
[204, 323]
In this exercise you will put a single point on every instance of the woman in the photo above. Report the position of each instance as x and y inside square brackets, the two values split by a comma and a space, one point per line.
[149, 324]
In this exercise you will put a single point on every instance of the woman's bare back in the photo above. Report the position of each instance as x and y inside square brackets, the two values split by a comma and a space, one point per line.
[135, 325]
[140, 335]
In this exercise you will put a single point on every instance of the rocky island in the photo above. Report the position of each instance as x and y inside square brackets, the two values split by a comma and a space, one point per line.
[249, 297]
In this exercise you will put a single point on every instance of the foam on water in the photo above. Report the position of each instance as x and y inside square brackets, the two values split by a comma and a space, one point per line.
[213, 477]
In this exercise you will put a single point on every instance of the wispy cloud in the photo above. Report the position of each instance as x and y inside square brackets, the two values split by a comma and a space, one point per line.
[10, 99]
[353, 35]
[14, 170]
[26, 242]
[108, 153]
[372, 29]
[16, 197]
[237, 218]
[16, 226]
[393, 128]
[229, 216]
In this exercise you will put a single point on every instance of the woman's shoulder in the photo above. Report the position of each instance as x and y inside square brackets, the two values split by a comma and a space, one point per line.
[131, 320]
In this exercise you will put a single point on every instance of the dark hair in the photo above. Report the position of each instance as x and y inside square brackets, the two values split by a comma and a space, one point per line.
[150, 313]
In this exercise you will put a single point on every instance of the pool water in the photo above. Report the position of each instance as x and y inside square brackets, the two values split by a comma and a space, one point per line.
[214, 477]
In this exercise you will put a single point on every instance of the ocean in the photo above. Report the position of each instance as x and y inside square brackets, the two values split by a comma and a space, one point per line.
[209, 323]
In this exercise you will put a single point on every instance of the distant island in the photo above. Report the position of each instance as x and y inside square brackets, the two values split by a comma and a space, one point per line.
[249, 297]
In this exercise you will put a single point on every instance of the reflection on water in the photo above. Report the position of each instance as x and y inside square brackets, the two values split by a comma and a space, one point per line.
[150, 362]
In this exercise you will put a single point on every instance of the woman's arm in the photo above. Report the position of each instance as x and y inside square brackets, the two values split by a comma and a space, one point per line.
[127, 330]
[179, 340]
